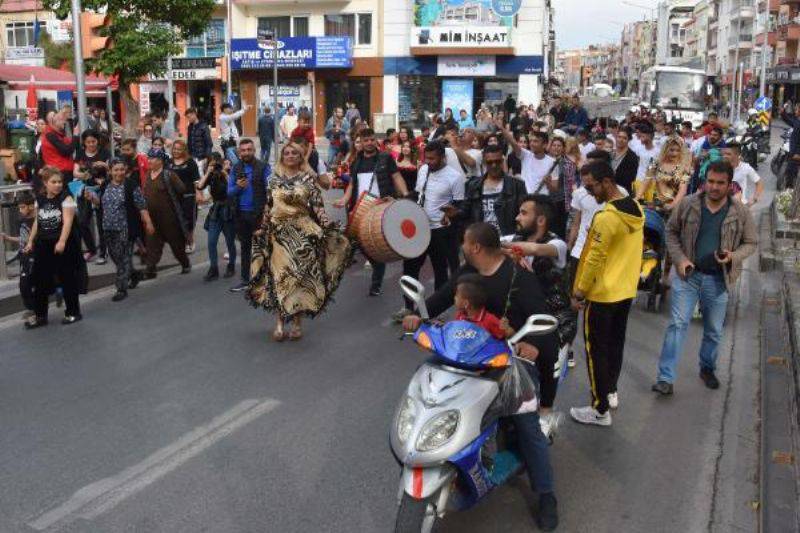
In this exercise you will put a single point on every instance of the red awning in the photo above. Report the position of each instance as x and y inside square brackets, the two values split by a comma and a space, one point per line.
[48, 79]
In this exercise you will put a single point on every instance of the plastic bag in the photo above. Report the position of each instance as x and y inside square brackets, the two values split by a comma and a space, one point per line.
[519, 392]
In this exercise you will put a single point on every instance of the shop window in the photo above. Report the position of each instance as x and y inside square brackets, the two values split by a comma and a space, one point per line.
[211, 43]
[345, 25]
[418, 96]
[365, 28]
[19, 34]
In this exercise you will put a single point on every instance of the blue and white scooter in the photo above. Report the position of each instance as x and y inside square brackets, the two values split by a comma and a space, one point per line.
[445, 430]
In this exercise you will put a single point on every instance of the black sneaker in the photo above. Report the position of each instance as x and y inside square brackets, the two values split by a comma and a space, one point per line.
[35, 322]
[230, 271]
[119, 296]
[136, 277]
[375, 291]
[71, 319]
[211, 275]
[150, 274]
[547, 519]
[240, 287]
[709, 378]
[186, 269]
[663, 388]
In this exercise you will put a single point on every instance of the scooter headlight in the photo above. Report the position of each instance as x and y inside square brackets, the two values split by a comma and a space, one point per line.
[438, 431]
[406, 417]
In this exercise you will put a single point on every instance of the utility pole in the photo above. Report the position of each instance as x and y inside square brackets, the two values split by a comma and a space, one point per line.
[735, 109]
[229, 41]
[80, 78]
[170, 106]
[762, 88]
[275, 131]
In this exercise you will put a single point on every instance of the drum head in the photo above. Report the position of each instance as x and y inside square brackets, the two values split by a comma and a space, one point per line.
[406, 228]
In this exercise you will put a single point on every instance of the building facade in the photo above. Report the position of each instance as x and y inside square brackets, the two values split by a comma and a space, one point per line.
[22, 23]
[459, 54]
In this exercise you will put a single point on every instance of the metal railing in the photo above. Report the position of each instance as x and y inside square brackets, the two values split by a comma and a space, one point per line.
[9, 219]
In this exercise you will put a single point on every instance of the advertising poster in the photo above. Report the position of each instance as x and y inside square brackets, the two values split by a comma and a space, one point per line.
[432, 13]
[457, 95]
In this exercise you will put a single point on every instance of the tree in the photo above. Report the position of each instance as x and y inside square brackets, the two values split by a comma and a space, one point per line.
[56, 55]
[143, 34]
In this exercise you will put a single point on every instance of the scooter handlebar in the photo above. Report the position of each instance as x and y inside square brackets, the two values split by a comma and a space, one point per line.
[535, 325]
[415, 291]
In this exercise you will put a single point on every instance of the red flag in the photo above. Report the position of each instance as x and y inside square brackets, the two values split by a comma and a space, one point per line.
[32, 101]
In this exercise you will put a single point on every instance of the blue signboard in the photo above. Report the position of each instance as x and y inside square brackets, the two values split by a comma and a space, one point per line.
[763, 104]
[457, 95]
[506, 8]
[293, 52]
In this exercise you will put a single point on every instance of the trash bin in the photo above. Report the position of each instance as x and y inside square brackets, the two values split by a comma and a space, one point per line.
[24, 141]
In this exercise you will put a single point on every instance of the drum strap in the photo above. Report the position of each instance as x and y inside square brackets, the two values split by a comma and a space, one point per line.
[546, 176]
[424, 187]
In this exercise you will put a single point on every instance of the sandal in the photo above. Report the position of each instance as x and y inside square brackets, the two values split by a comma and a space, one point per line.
[278, 335]
[296, 334]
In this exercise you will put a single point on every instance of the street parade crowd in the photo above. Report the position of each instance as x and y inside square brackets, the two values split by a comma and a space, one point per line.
[520, 209]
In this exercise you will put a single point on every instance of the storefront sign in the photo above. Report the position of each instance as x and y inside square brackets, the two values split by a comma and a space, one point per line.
[24, 52]
[293, 52]
[285, 91]
[457, 95]
[429, 13]
[506, 8]
[460, 36]
[60, 30]
[466, 66]
[505, 66]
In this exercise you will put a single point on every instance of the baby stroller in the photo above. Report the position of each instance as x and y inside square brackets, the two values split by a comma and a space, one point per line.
[653, 258]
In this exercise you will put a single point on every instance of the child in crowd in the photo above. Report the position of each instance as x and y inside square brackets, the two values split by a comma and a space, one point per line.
[470, 303]
[26, 211]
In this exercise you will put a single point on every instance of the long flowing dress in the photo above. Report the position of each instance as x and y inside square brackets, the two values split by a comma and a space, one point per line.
[300, 258]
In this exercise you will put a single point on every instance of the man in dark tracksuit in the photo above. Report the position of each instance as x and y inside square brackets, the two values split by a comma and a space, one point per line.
[247, 184]
[793, 120]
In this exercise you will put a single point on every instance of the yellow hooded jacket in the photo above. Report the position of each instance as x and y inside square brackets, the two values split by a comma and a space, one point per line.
[611, 260]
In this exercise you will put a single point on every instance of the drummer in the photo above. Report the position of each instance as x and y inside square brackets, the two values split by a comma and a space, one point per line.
[375, 173]
[440, 189]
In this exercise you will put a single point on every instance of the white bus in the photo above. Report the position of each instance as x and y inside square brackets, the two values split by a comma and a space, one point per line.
[678, 91]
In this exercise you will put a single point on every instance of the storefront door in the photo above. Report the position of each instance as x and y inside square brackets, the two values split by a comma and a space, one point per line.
[201, 96]
[339, 92]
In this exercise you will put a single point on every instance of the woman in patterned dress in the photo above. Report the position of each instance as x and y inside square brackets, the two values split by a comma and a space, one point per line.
[299, 255]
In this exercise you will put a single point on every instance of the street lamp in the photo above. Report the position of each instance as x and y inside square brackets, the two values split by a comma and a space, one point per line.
[265, 38]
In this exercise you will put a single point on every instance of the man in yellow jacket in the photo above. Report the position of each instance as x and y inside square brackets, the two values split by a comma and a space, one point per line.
[605, 285]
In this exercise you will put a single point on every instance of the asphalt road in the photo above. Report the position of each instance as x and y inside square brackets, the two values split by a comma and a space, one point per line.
[173, 412]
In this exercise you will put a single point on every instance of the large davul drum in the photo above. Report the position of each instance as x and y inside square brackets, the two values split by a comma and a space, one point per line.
[392, 230]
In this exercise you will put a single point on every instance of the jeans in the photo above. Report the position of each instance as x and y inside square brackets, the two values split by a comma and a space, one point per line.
[266, 149]
[215, 229]
[378, 272]
[534, 447]
[246, 224]
[710, 290]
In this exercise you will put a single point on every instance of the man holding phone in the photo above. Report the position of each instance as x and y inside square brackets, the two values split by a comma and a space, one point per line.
[709, 235]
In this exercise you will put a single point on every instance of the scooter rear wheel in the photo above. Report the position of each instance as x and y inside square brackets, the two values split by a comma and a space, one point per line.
[416, 516]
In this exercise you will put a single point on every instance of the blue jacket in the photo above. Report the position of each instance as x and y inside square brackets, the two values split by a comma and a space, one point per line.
[252, 198]
[577, 117]
[465, 123]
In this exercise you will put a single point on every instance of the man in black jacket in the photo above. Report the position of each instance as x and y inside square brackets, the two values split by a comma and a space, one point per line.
[624, 161]
[198, 139]
[266, 133]
[247, 186]
[515, 296]
[493, 198]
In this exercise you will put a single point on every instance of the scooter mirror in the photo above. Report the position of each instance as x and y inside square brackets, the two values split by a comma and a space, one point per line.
[535, 325]
[415, 291]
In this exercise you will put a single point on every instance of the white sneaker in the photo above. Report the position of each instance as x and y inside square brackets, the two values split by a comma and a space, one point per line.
[589, 415]
[613, 400]
[550, 423]
[367, 264]
[571, 360]
[226, 256]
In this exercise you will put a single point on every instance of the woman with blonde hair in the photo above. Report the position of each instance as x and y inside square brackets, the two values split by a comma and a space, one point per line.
[572, 151]
[299, 255]
[184, 166]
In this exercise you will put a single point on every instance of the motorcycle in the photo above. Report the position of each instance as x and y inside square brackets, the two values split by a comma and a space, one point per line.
[746, 138]
[779, 160]
[446, 432]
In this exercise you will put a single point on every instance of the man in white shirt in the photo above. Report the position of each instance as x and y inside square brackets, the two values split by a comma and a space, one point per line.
[645, 149]
[536, 164]
[584, 144]
[456, 155]
[744, 174]
[467, 139]
[288, 123]
[229, 133]
[439, 188]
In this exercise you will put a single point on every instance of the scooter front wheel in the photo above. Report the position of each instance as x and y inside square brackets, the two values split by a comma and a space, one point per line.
[417, 516]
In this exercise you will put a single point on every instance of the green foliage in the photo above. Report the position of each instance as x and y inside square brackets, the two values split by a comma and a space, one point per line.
[143, 33]
[55, 54]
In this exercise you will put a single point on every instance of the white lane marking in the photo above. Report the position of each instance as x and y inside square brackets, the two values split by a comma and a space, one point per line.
[96, 498]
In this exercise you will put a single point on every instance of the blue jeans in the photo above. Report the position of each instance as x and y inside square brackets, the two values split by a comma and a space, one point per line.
[215, 228]
[534, 446]
[266, 148]
[712, 294]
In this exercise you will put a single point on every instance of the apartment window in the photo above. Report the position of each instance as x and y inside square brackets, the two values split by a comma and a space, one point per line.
[19, 34]
[345, 25]
[278, 26]
[300, 26]
[211, 43]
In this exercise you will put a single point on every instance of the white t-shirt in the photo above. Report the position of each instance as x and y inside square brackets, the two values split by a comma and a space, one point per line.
[645, 158]
[453, 162]
[443, 187]
[746, 177]
[364, 179]
[587, 205]
[561, 248]
[288, 123]
[586, 148]
[534, 170]
[489, 196]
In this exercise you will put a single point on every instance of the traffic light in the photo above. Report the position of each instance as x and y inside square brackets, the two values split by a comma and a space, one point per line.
[93, 26]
